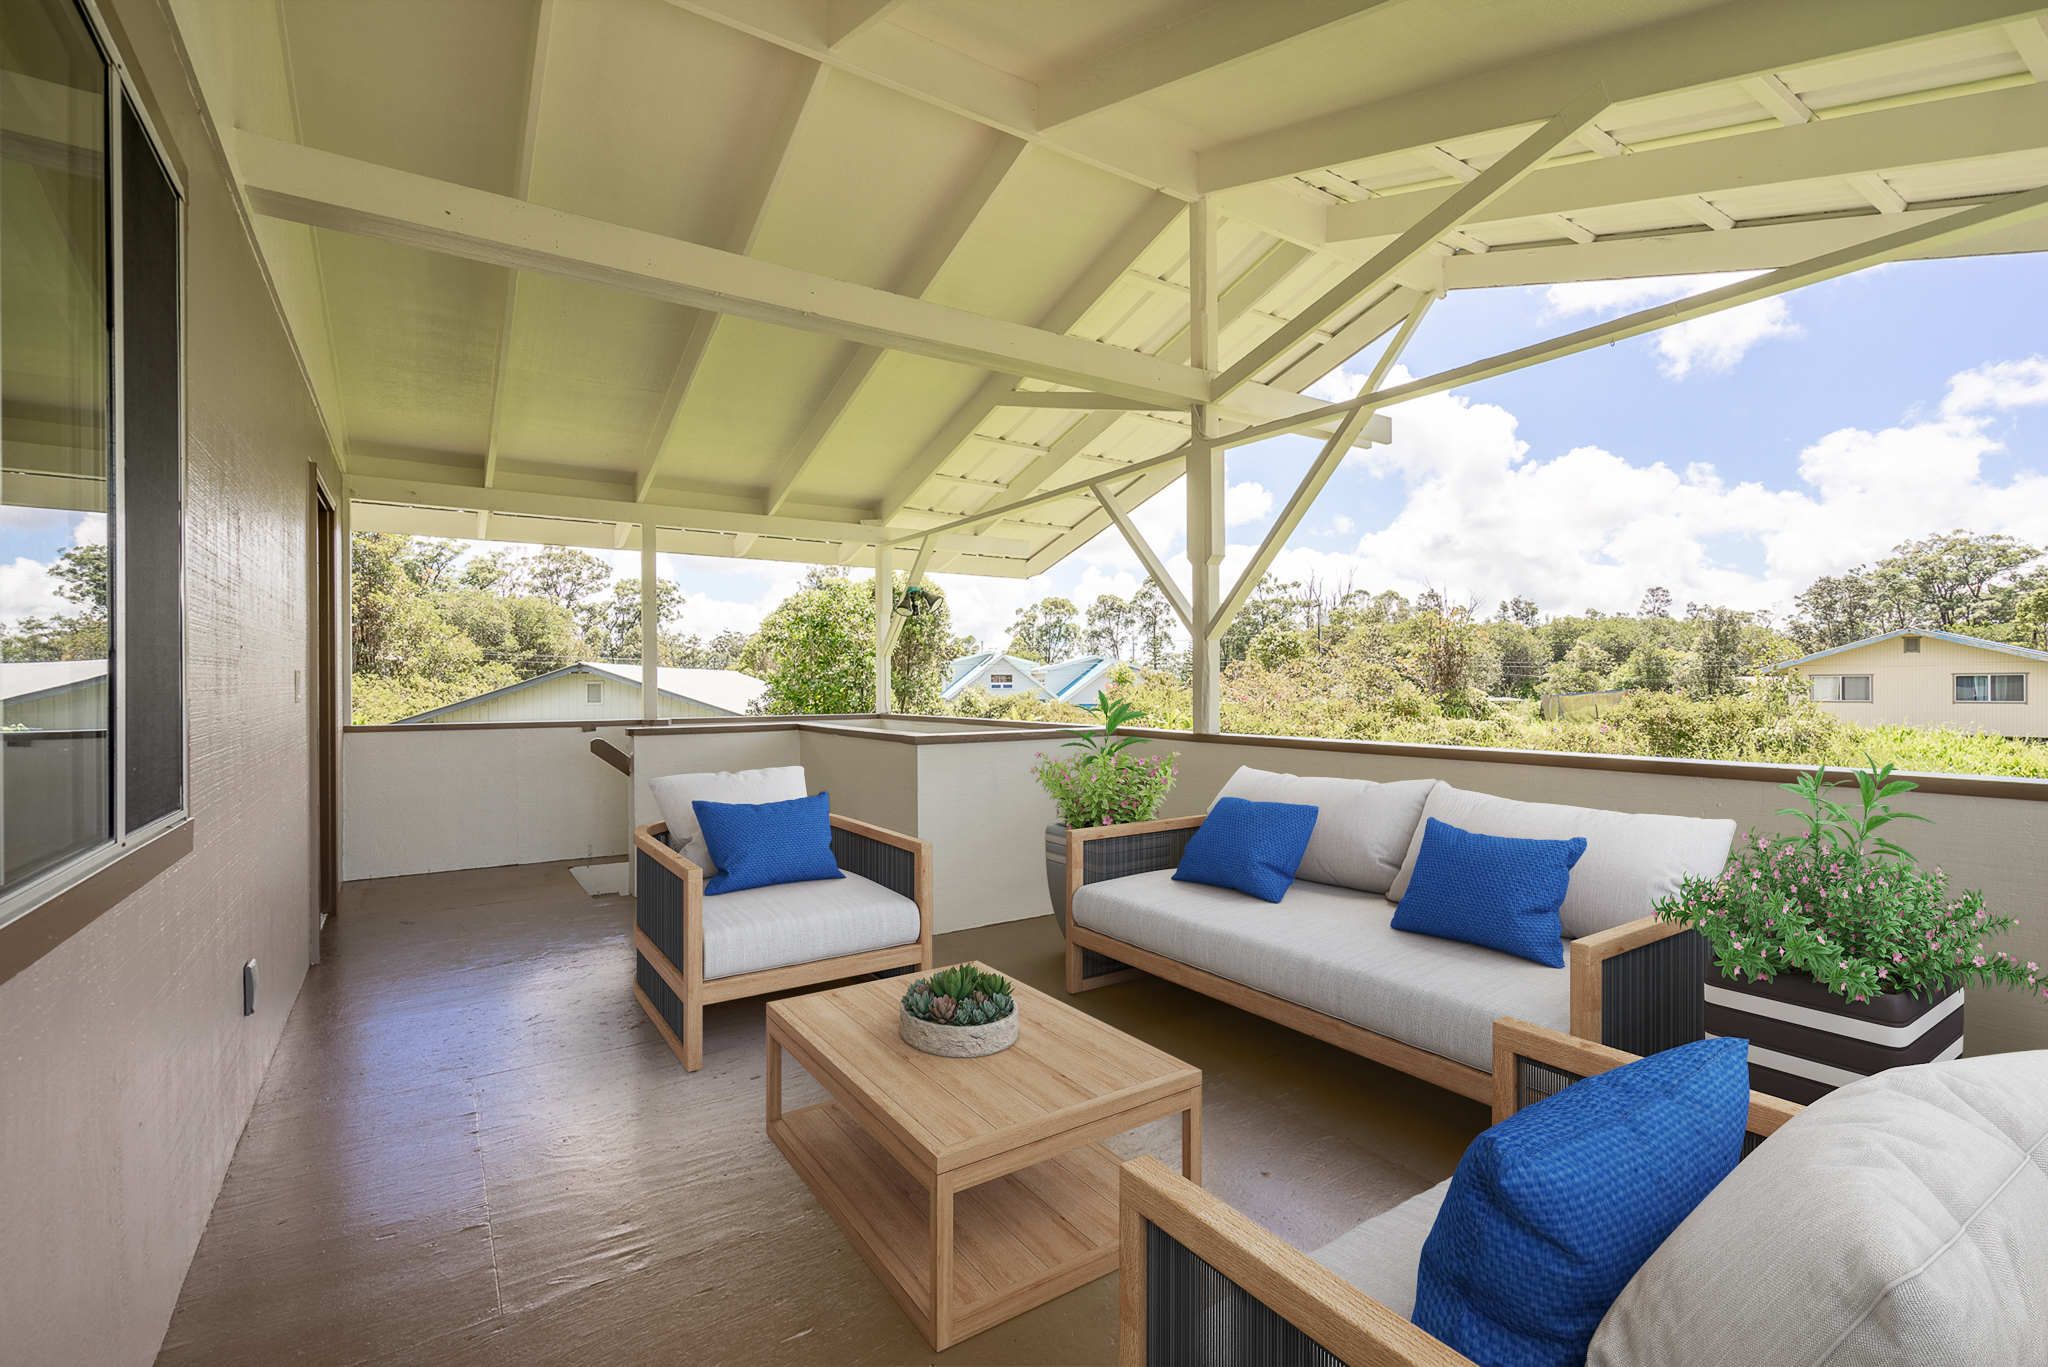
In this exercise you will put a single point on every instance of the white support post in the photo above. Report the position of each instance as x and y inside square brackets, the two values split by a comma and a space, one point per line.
[885, 604]
[1205, 478]
[650, 627]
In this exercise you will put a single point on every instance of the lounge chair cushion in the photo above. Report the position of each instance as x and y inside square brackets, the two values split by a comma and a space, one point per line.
[1631, 861]
[1379, 1256]
[1332, 950]
[1362, 829]
[1900, 1220]
[800, 923]
[673, 794]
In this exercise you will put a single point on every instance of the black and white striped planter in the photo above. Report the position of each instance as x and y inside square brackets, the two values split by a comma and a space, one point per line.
[1804, 1041]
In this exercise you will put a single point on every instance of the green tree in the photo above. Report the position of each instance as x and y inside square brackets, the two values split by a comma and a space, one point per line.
[1522, 611]
[816, 650]
[2030, 615]
[1649, 667]
[611, 626]
[1961, 578]
[1656, 603]
[1583, 669]
[1048, 630]
[81, 575]
[1111, 626]
[566, 575]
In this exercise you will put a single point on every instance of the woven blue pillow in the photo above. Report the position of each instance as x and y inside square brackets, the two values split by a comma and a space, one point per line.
[1254, 847]
[1491, 890]
[1553, 1210]
[757, 844]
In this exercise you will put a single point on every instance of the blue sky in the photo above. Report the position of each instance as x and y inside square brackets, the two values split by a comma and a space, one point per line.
[1730, 461]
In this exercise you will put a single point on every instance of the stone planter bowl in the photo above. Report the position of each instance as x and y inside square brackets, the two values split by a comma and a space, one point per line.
[958, 1041]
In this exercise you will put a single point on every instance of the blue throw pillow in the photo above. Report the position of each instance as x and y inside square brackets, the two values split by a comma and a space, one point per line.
[1254, 847]
[1491, 890]
[757, 844]
[1553, 1210]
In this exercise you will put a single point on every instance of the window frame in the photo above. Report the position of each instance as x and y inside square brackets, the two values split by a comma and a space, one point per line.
[1869, 687]
[123, 96]
[1990, 688]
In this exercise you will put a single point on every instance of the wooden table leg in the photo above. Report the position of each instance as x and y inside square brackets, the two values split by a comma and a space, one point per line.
[774, 1079]
[942, 1263]
[1191, 1140]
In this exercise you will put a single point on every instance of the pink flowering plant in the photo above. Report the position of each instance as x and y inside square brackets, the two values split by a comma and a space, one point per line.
[1847, 906]
[1103, 785]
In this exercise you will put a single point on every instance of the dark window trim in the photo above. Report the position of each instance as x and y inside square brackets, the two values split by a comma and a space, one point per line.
[34, 933]
[1987, 675]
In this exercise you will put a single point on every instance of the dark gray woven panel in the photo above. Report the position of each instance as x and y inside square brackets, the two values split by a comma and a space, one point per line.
[1120, 856]
[1652, 998]
[658, 991]
[1195, 1314]
[658, 911]
[894, 867]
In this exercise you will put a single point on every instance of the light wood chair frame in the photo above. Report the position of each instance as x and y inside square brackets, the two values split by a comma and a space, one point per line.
[687, 979]
[1585, 962]
[1348, 1323]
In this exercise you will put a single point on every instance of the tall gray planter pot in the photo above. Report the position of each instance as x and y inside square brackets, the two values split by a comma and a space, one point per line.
[1804, 1041]
[1056, 870]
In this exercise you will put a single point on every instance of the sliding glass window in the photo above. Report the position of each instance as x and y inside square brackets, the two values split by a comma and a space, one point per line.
[91, 470]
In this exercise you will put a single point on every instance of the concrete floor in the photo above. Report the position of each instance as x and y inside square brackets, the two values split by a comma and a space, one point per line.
[472, 1147]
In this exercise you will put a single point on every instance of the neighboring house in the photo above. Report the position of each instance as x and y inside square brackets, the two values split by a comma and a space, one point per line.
[590, 691]
[54, 695]
[1931, 678]
[1078, 680]
[997, 673]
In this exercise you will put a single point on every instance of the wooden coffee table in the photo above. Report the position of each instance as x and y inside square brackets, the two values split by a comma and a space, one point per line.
[975, 1188]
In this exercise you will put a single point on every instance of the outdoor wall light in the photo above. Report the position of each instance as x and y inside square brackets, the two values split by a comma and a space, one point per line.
[915, 602]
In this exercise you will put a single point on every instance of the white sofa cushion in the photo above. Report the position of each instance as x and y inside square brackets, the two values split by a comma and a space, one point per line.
[1362, 828]
[1631, 861]
[1900, 1220]
[1380, 1256]
[800, 923]
[1332, 950]
[673, 794]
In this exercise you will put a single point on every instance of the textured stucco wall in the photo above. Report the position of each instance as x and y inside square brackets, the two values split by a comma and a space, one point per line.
[127, 1069]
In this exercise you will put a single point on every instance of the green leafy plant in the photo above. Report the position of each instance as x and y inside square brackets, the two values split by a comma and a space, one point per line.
[1845, 906]
[961, 995]
[1104, 786]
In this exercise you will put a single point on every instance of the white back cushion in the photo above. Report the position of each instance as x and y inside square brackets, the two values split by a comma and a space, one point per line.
[1632, 860]
[673, 794]
[1362, 828]
[1901, 1220]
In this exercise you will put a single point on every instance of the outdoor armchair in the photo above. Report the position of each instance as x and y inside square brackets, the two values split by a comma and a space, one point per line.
[692, 952]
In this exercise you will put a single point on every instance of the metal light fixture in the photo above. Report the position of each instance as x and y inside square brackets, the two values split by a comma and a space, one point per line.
[915, 602]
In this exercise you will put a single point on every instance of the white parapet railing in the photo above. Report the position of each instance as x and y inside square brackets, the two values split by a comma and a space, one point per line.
[422, 799]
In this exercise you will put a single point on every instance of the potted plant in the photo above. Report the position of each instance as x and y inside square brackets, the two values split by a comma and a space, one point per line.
[959, 1012]
[1834, 953]
[1101, 786]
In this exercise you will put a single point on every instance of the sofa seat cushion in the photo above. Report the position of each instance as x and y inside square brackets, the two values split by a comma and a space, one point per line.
[1379, 1257]
[1900, 1220]
[1332, 950]
[1362, 828]
[800, 923]
[1632, 860]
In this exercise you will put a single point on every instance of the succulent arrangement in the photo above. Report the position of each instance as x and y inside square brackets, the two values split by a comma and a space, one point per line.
[961, 995]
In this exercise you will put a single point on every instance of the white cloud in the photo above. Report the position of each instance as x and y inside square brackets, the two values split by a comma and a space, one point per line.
[1244, 503]
[1587, 528]
[1717, 341]
[27, 590]
[1343, 524]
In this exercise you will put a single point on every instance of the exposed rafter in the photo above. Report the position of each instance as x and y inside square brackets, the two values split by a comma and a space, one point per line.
[748, 216]
[522, 181]
[1994, 123]
[307, 185]
[967, 207]
[1721, 44]
[846, 19]
[1206, 41]
[1468, 200]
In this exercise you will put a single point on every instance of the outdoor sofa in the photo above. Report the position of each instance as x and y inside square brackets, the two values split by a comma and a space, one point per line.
[1325, 960]
[1900, 1220]
[693, 951]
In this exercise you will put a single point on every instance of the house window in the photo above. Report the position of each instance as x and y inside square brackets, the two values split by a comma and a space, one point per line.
[1912, 645]
[1841, 688]
[91, 373]
[593, 692]
[998, 681]
[1991, 688]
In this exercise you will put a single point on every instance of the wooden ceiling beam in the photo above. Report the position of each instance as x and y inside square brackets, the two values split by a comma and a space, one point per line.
[306, 185]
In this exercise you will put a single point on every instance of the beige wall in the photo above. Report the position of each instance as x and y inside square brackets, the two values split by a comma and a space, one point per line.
[1919, 690]
[129, 1070]
[422, 799]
